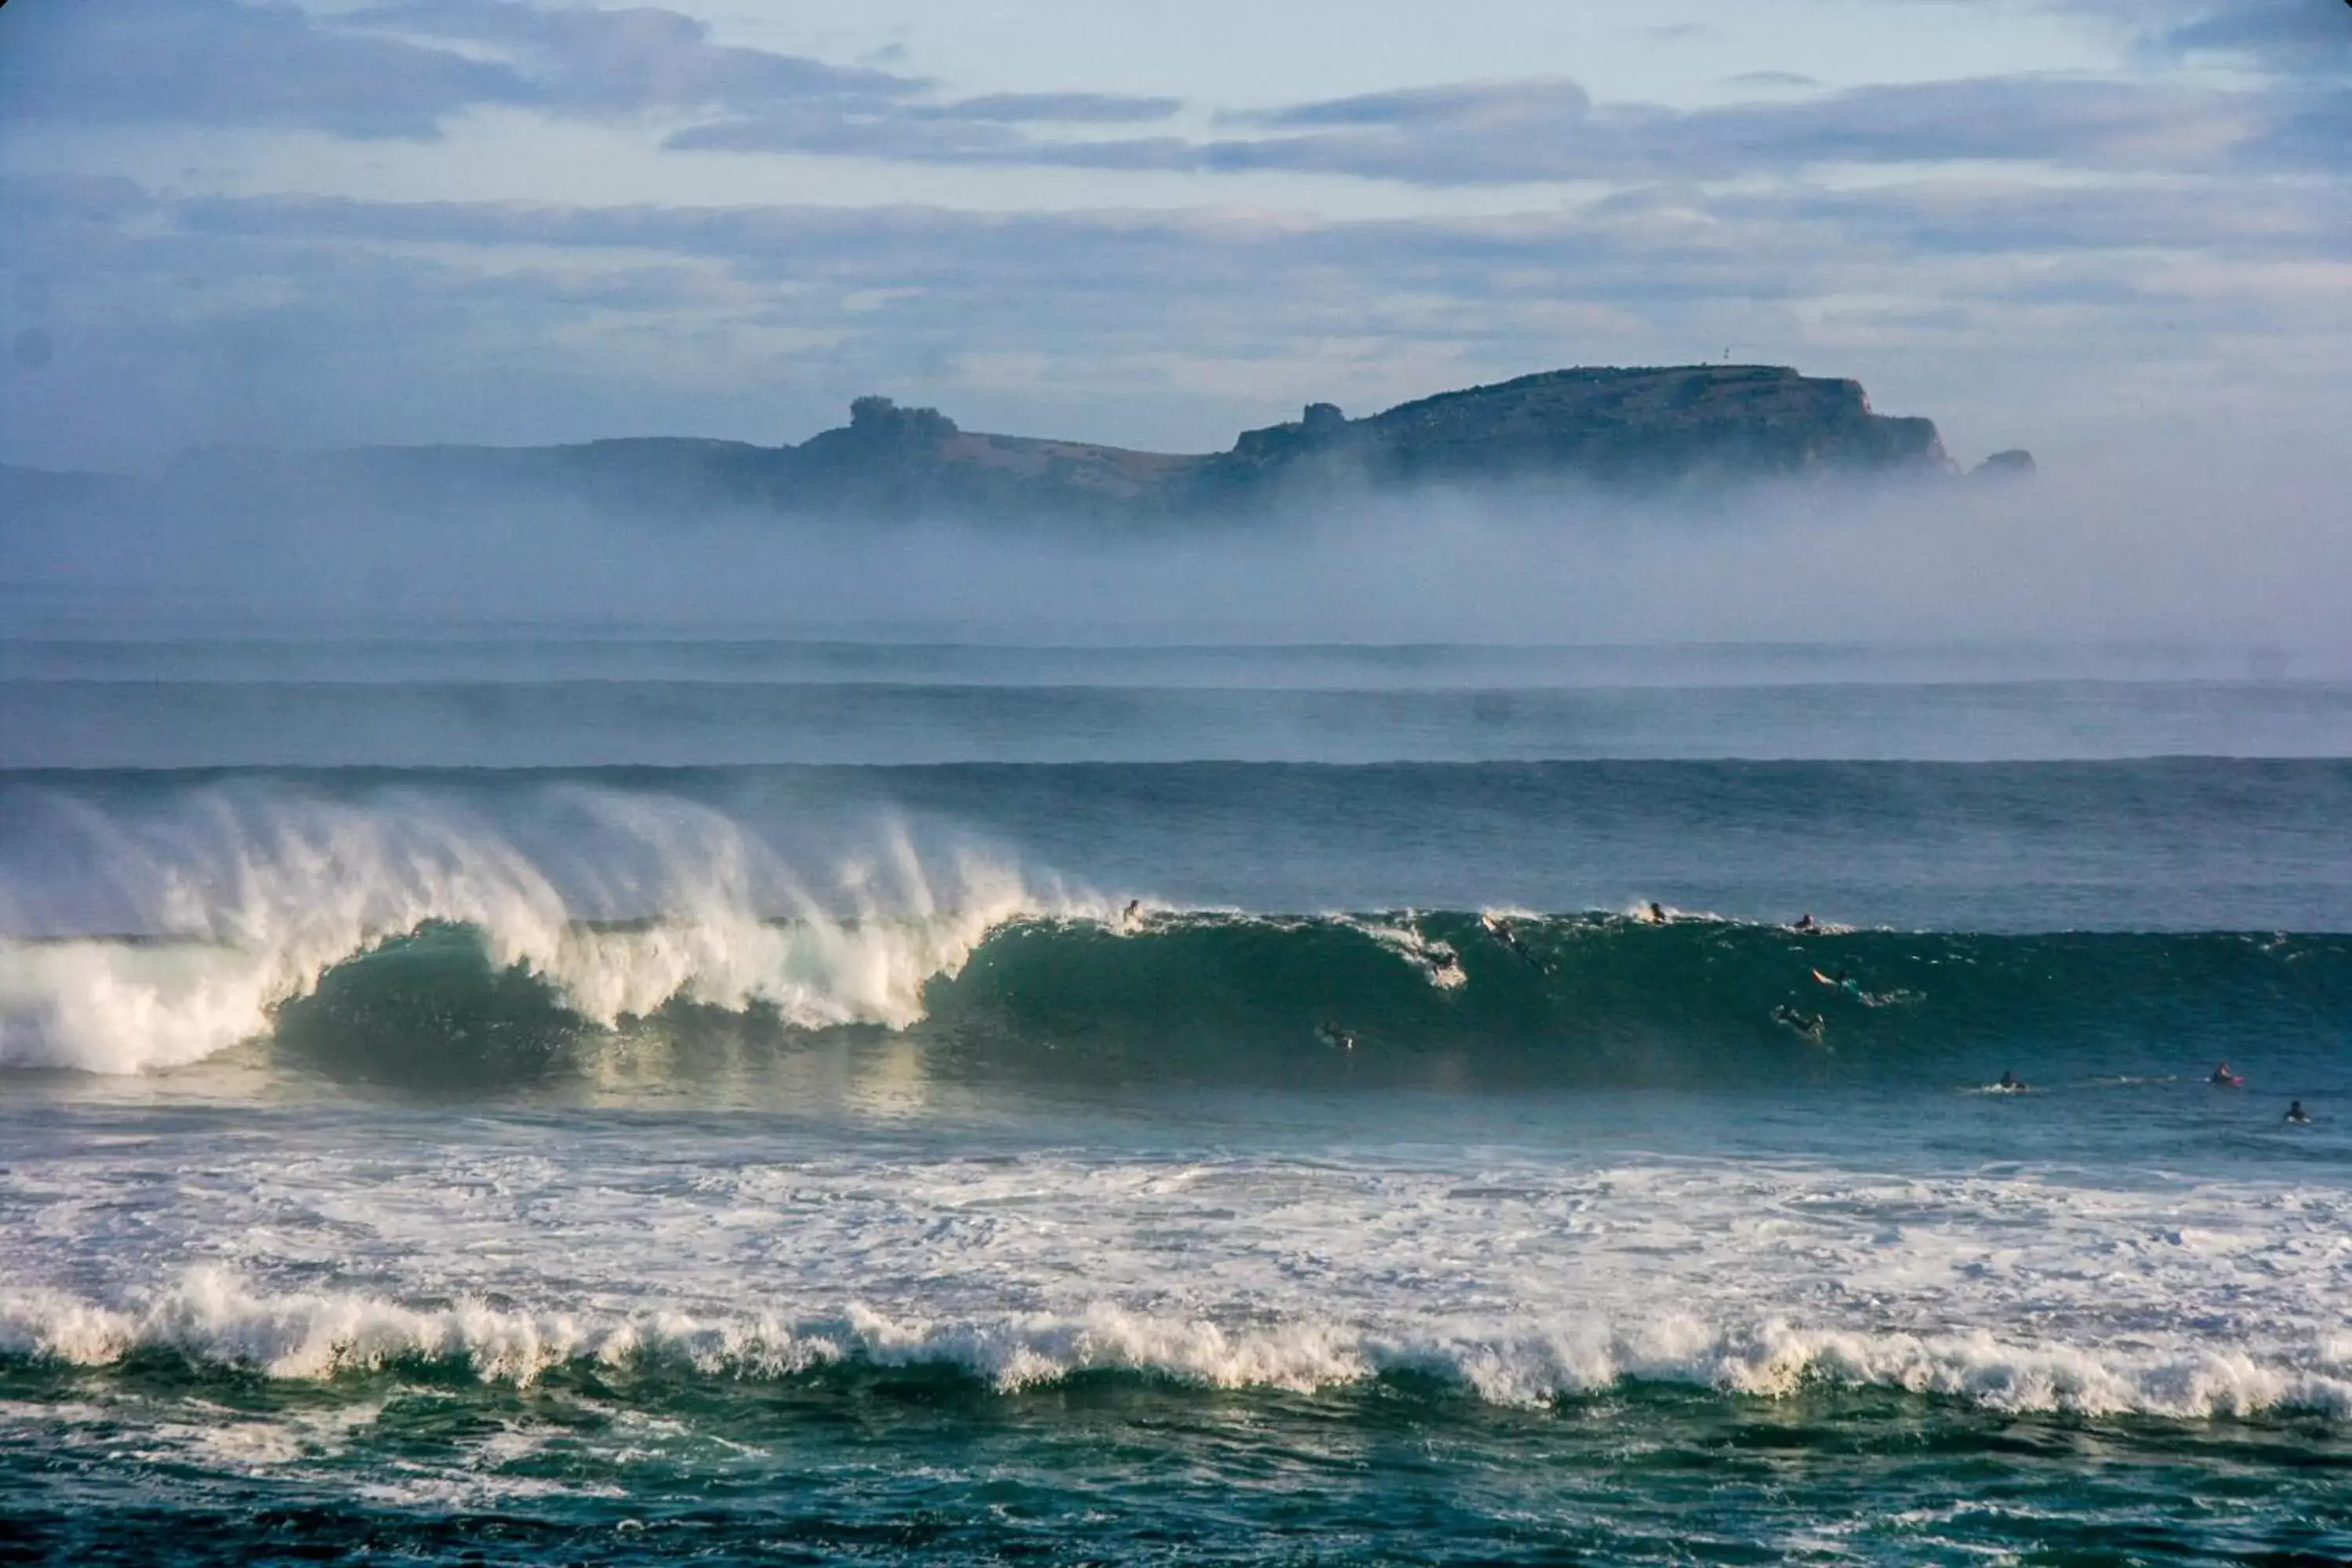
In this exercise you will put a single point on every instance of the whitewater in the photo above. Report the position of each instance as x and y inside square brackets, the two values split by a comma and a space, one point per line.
[604, 1153]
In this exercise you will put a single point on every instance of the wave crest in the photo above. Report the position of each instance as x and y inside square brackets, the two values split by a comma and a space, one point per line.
[213, 1320]
[251, 902]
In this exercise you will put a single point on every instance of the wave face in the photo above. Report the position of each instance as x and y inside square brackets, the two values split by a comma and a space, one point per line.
[1193, 996]
[1614, 998]
[406, 932]
[239, 904]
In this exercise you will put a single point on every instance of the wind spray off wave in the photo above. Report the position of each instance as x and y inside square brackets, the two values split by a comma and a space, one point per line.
[241, 901]
[462, 961]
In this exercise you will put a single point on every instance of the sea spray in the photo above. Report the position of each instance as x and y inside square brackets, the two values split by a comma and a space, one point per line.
[247, 901]
[216, 1323]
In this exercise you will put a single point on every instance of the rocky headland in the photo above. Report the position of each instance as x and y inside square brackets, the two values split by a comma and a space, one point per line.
[1675, 427]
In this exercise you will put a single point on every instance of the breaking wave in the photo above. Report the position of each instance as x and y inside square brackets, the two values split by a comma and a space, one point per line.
[248, 907]
[400, 938]
[209, 1320]
[981, 974]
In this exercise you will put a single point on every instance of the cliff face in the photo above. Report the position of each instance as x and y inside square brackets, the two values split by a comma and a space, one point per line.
[1685, 425]
[1680, 426]
[1694, 423]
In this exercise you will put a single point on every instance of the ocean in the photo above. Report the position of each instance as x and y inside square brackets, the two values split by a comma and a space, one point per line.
[531, 1097]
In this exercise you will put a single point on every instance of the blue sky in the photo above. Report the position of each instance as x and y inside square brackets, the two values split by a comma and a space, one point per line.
[2076, 225]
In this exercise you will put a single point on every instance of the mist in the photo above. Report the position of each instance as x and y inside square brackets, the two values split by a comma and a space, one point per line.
[2229, 553]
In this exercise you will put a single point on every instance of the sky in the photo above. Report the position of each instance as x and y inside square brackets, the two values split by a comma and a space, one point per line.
[2091, 227]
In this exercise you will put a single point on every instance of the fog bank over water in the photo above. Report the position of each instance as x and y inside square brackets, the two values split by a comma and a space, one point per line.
[2238, 554]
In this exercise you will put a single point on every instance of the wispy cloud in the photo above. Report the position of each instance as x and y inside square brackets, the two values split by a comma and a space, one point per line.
[522, 322]
[2291, 37]
[1060, 108]
[401, 68]
[220, 62]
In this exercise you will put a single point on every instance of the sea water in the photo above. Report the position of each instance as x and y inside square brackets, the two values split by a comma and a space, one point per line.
[526, 1098]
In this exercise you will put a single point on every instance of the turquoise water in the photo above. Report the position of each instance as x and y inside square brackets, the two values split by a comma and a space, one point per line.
[510, 1150]
[872, 1467]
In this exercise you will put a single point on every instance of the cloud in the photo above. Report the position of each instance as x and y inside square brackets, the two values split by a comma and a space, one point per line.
[1501, 105]
[1061, 108]
[586, 60]
[2150, 263]
[2285, 39]
[1551, 131]
[220, 62]
[2292, 37]
[399, 68]
[329, 321]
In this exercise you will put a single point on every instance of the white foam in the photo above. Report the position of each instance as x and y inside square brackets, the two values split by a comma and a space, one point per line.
[1435, 959]
[212, 1319]
[260, 898]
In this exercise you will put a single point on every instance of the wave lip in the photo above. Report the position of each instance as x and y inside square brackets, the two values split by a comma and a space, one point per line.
[213, 1320]
[250, 911]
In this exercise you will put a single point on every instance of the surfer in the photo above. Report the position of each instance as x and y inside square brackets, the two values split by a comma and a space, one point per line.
[1805, 922]
[1500, 930]
[1443, 961]
[1844, 982]
[1132, 912]
[1809, 1025]
[2224, 1079]
[1657, 914]
[2296, 1115]
[1331, 1034]
[2010, 1083]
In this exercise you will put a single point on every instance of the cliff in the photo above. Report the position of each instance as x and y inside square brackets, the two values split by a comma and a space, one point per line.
[1680, 426]
[1688, 425]
[1693, 423]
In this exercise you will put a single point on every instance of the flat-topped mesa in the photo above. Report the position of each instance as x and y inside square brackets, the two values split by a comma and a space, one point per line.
[1683, 423]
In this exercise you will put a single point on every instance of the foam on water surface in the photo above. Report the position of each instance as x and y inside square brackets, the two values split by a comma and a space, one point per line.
[1519, 1279]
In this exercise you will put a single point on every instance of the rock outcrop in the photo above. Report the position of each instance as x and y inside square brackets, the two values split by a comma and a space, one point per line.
[2014, 464]
[1693, 424]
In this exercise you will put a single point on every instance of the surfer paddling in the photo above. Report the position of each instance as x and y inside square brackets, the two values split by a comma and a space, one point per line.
[1331, 1035]
[2224, 1079]
[2297, 1116]
[1844, 982]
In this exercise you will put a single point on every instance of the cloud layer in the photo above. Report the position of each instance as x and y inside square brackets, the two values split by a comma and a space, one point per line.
[403, 69]
[2028, 257]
